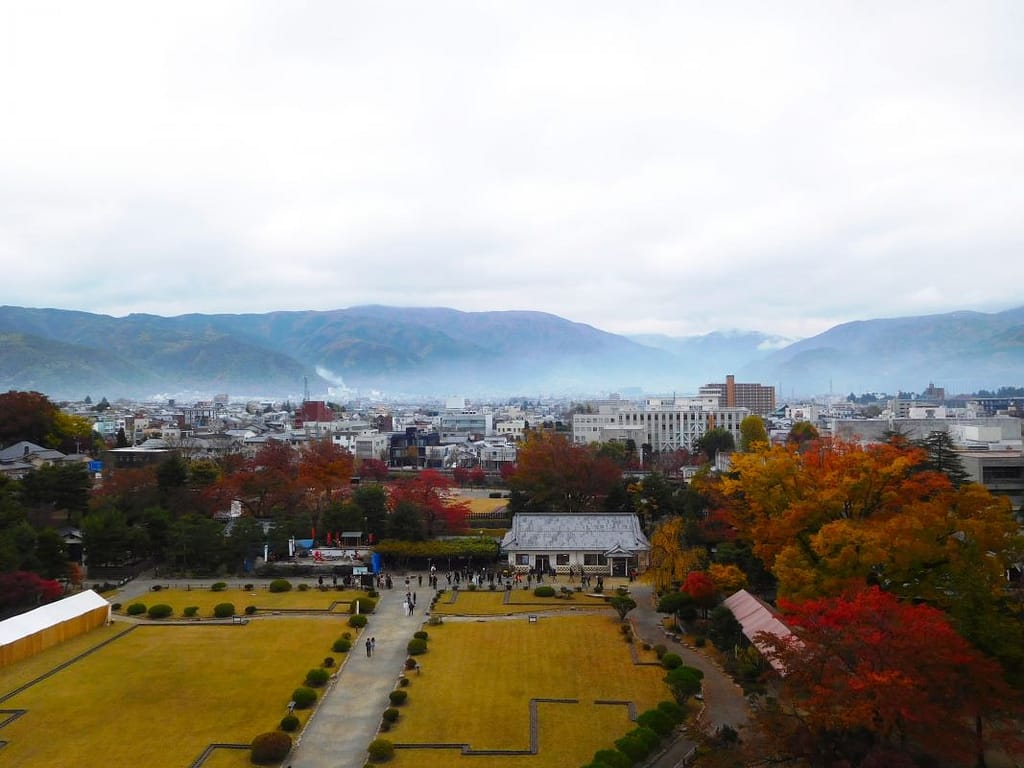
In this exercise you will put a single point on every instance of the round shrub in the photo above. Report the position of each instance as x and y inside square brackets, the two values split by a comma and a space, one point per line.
[115, 607]
[156, 587]
[248, 587]
[657, 721]
[303, 587]
[390, 715]
[398, 697]
[329, 662]
[544, 591]
[611, 758]
[357, 620]
[342, 645]
[218, 586]
[289, 723]
[671, 661]
[317, 677]
[416, 646]
[346, 635]
[269, 748]
[385, 726]
[159, 611]
[224, 610]
[380, 750]
[135, 609]
[673, 710]
[420, 634]
[250, 610]
[190, 611]
[411, 663]
[303, 697]
[280, 585]
[366, 605]
[630, 745]
[403, 681]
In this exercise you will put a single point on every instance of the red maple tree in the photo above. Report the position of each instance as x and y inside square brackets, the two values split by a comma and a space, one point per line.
[869, 674]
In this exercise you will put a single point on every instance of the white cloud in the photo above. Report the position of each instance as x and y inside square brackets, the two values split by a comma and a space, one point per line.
[667, 167]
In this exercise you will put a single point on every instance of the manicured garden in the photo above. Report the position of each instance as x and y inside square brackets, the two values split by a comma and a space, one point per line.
[205, 599]
[158, 696]
[485, 602]
[478, 678]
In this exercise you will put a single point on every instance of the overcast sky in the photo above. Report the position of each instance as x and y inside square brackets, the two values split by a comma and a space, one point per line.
[672, 167]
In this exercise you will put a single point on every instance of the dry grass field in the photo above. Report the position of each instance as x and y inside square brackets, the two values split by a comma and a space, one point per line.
[478, 678]
[481, 506]
[159, 695]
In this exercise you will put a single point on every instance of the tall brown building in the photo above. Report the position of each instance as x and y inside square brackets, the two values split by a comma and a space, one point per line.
[758, 398]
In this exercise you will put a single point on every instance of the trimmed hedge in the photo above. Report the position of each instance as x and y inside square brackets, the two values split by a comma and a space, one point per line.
[317, 677]
[673, 710]
[159, 611]
[280, 585]
[671, 661]
[190, 611]
[657, 721]
[218, 586]
[303, 697]
[366, 605]
[544, 591]
[135, 609]
[250, 610]
[357, 620]
[269, 748]
[381, 750]
[398, 697]
[224, 610]
[422, 635]
[342, 645]
[416, 646]
[289, 723]
[390, 714]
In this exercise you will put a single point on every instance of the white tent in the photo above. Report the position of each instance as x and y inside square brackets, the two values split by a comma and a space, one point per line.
[29, 633]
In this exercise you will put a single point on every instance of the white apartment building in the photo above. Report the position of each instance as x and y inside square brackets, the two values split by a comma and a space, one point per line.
[460, 424]
[665, 424]
[513, 430]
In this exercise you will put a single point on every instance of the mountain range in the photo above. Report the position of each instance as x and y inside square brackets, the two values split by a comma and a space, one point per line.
[436, 351]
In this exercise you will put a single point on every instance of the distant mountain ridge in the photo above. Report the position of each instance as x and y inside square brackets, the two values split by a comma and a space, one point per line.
[435, 351]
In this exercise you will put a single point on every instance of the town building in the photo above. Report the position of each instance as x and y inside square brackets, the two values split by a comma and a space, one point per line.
[604, 544]
[756, 398]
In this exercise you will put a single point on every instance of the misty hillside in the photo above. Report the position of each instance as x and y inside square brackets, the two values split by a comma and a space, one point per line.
[438, 351]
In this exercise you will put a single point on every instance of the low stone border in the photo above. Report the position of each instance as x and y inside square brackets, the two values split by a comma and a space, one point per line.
[211, 748]
[630, 706]
[466, 749]
[12, 715]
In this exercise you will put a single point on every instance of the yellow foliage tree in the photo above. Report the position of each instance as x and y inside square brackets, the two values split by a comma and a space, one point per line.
[670, 560]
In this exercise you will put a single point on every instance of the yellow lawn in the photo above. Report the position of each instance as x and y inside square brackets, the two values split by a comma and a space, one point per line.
[482, 506]
[487, 603]
[159, 695]
[478, 678]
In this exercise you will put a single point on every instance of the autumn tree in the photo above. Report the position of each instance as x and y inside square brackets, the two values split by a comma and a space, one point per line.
[752, 432]
[266, 484]
[840, 516]
[670, 557]
[702, 588]
[324, 470]
[373, 469]
[715, 441]
[867, 675]
[802, 433]
[26, 416]
[429, 493]
[553, 474]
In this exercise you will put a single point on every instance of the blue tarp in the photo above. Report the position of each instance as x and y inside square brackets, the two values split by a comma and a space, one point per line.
[375, 563]
[304, 543]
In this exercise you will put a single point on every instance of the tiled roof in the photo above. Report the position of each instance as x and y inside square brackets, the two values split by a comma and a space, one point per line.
[575, 532]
